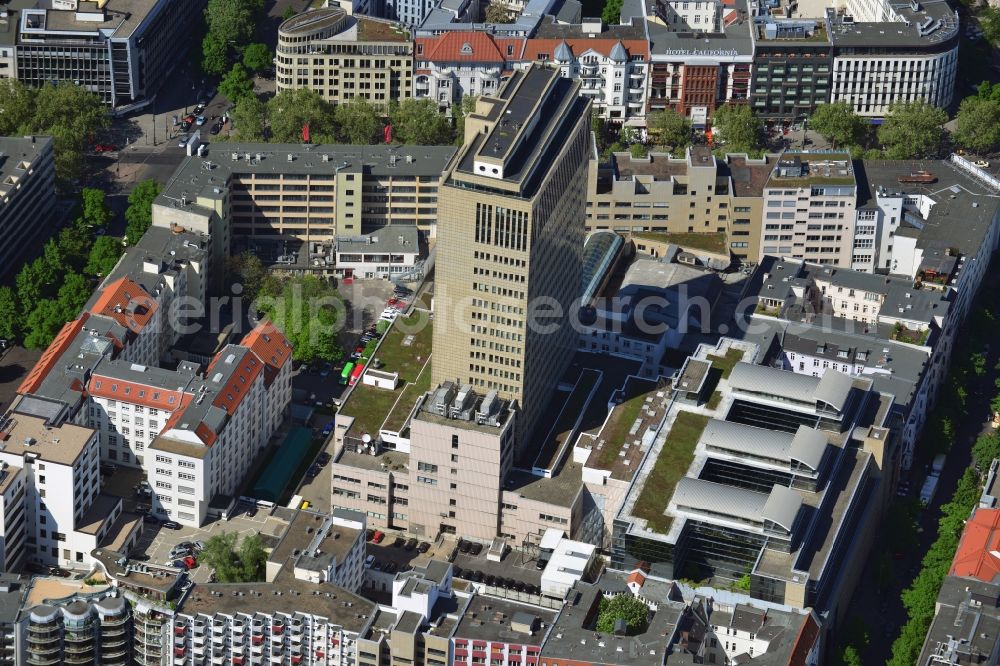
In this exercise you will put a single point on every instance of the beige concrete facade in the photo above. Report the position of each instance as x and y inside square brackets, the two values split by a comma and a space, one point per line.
[343, 57]
[809, 209]
[511, 232]
[696, 194]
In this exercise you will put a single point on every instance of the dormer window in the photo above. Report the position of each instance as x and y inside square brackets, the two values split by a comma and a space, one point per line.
[466, 49]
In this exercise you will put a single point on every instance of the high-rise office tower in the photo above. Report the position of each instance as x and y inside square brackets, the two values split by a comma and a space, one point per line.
[510, 236]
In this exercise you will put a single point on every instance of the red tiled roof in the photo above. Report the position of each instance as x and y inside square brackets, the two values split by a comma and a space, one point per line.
[127, 303]
[238, 385]
[472, 46]
[637, 578]
[535, 47]
[804, 641]
[977, 555]
[51, 355]
[271, 346]
[154, 397]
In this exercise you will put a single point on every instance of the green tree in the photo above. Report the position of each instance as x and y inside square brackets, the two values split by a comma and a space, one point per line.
[418, 122]
[989, 21]
[104, 254]
[231, 21]
[73, 295]
[308, 311]
[236, 84]
[850, 657]
[499, 12]
[257, 57]
[248, 270]
[912, 130]
[978, 124]
[35, 281]
[17, 102]
[71, 115]
[94, 208]
[252, 559]
[288, 13]
[612, 12]
[10, 317]
[669, 128]
[74, 244]
[44, 321]
[460, 112]
[838, 124]
[290, 110]
[359, 121]
[219, 554]
[622, 607]
[214, 55]
[250, 119]
[986, 448]
[139, 214]
[987, 90]
[737, 127]
[54, 257]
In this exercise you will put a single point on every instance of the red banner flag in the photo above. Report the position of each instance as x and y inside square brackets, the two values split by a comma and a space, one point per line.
[387, 133]
[305, 133]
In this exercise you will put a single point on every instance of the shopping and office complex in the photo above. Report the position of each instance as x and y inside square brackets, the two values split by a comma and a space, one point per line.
[122, 50]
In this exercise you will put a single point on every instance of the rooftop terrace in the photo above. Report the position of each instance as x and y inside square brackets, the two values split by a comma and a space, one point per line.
[405, 349]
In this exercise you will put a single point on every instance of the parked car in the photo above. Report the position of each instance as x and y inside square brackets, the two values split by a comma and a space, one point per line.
[453, 554]
[150, 518]
[423, 547]
[464, 546]
[312, 472]
[378, 536]
[171, 525]
[398, 541]
[982, 164]
[369, 533]
[58, 571]
[252, 511]
[370, 560]
[324, 457]
[199, 121]
[215, 128]
[199, 108]
[327, 429]
[410, 544]
[190, 562]
[104, 148]
[182, 142]
[476, 549]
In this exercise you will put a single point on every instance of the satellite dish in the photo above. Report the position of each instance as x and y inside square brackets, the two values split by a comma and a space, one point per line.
[366, 438]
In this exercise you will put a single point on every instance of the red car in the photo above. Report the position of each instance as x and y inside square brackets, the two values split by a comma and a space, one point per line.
[378, 536]
[104, 148]
[190, 562]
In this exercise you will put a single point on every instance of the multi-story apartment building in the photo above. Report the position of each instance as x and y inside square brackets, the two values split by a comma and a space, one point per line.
[791, 68]
[786, 480]
[121, 50]
[322, 548]
[343, 57]
[80, 629]
[288, 203]
[809, 204]
[611, 63]
[56, 512]
[885, 52]
[27, 194]
[457, 63]
[696, 67]
[519, 238]
[656, 196]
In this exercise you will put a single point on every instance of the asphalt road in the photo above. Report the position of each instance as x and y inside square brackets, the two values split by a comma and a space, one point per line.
[880, 609]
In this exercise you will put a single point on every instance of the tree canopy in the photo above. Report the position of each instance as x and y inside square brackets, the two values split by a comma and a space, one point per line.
[499, 12]
[290, 110]
[235, 565]
[738, 128]
[257, 57]
[912, 130]
[70, 114]
[418, 122]
[625, 607]
[104, 254]
[978, 124]
[669, 128]
[214, 55]
[139, 214]
[250, 119]
[838, 124]
[231, 25]
[95, 210]
[236, 84]
[359, 121]
[612, 12]
[308, 311]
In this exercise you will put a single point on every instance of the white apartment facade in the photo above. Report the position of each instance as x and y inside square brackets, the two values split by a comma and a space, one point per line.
[809, 208]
